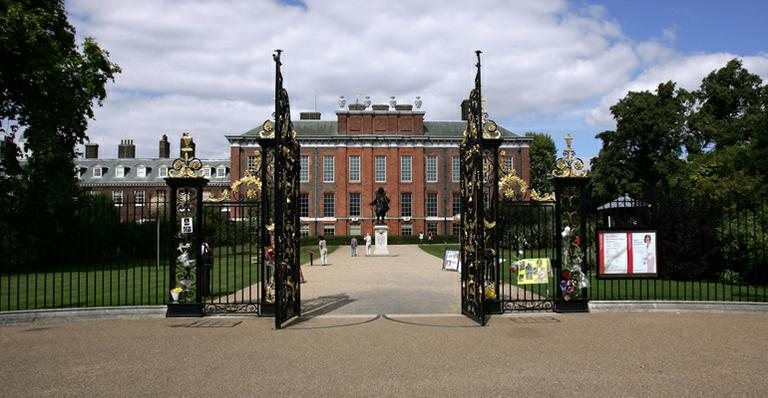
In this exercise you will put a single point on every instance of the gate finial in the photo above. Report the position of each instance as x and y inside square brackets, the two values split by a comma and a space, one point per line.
[569, 165]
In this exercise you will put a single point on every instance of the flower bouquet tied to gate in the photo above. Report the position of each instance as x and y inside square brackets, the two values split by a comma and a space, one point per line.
[176, 293]
[572, 278]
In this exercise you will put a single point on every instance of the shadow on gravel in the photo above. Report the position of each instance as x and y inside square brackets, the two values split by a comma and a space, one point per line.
[324, 304]
[311, 309]
[451, 322]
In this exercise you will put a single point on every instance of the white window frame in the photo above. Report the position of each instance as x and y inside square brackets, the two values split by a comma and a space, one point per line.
[455, 169]
[329, 168]
[427, 203]
[327, 195]
[207, 172]
[162, 172]
[304, 168]
[406, 168]
[354, 171]
[221, 172]
[380, 169]
[302, 204]
[431, 169]
[120, 171]
[136, 195]
[118, 198]
[250, 163]
[403, 202]
[97, 172]
[509, 163]
[141, 172]
[359, 197]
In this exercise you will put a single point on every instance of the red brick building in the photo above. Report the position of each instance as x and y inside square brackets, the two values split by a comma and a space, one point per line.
[344, 162]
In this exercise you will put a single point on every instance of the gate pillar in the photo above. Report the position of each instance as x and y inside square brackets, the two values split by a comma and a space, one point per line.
[186, 182]
[479, 210]
[571, 200]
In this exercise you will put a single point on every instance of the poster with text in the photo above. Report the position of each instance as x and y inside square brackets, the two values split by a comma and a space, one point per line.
[451, 260]
[531, 271]
[644, 253]
[627, 253]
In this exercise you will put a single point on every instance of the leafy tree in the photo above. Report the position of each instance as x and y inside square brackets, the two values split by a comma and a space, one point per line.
[543, 155]
[643, 155]
[48, 86]
[728, 135]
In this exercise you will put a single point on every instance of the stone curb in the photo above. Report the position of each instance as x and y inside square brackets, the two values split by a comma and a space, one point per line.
[88, 313]
[159, 311]
[678, 306]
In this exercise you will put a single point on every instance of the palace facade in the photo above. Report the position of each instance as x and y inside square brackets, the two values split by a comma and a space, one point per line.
[344, 162]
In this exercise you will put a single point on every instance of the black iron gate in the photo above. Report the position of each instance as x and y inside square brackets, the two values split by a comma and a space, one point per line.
[479, 208]
[529, 233]
[233, 278]
[279, 204]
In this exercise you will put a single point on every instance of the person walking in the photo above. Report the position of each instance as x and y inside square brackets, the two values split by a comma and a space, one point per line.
[367, 244]
[421, 237]
[353, 245]
[323, 250]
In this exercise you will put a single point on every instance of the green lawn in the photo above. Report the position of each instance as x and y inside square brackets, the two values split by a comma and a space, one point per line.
[124, 283]
[636, 289]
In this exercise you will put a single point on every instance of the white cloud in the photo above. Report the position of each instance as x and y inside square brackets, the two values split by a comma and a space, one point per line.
[206, 66]
[686, 71]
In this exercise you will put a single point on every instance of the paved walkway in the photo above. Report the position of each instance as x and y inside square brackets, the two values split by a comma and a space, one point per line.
[410, 281]
[587, 355]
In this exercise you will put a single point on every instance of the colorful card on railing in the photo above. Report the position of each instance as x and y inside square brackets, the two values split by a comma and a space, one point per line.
[532, 271]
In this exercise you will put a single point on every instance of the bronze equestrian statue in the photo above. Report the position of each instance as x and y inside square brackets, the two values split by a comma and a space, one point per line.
[381, 203]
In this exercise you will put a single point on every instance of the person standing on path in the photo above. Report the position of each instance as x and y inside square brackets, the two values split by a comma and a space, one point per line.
[421, 237]
[323, 250]
[353, 245]
[367, 244]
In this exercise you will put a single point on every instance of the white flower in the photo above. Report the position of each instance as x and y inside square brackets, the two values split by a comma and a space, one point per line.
[566, 231]
[520, 252]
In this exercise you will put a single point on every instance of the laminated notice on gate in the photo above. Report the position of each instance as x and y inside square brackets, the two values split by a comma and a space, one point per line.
[532, 271]
[186, 225]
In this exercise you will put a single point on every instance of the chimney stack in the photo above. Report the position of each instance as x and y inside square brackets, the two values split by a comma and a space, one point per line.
[126, 150]
[165, 148]
[91, 151]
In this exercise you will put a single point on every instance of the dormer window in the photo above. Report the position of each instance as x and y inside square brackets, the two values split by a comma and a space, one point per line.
[119, 172]
[221, 172]
[141, 171]
[207, 172]
[162, 172]
[97, 172]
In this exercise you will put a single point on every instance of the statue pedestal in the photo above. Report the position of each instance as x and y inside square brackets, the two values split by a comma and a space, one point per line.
[380, 240]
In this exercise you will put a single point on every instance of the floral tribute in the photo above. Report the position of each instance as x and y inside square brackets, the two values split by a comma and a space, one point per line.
[572, 278]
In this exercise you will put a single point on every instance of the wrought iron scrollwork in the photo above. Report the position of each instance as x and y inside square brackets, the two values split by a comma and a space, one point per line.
[479, 199]
[569, 165]
[283, 152]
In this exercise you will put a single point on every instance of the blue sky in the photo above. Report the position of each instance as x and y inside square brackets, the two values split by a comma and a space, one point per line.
[737, 26]
[550, 66]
